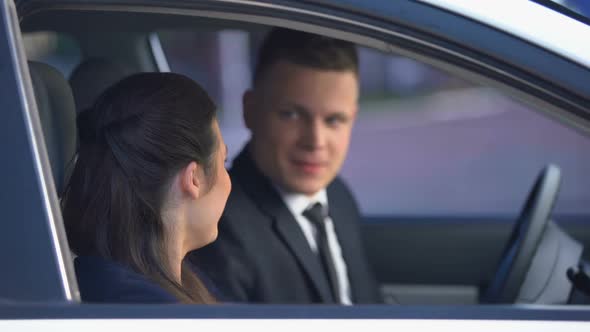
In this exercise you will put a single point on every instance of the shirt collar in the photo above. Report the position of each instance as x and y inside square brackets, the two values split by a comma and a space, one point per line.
[297, 203]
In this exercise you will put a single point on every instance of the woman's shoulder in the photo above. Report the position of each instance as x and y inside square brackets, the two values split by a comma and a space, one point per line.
[103, 280]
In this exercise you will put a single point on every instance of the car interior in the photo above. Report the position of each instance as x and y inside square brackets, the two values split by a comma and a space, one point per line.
[500, 220]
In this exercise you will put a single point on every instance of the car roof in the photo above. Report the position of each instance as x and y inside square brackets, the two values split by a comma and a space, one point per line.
[544, 26]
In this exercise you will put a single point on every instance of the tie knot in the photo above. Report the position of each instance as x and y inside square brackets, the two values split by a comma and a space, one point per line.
[316, 213]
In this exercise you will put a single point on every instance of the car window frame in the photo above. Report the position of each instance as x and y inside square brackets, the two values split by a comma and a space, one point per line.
[35, 233]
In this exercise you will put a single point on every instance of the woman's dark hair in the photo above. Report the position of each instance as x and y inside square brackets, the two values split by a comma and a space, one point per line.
[136, 137]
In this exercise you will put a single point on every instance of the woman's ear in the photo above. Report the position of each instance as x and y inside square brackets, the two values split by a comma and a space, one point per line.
[191, 180]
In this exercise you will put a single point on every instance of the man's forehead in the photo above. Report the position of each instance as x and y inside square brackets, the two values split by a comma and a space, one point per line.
[282, 69]
[307, 84]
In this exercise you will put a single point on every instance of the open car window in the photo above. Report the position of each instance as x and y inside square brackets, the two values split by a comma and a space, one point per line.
[431, 153]
[427, 142]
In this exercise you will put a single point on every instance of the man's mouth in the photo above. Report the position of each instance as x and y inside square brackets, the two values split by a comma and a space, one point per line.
[309, 167]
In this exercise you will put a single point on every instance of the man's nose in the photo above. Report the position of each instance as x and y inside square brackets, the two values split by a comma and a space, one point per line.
[315, 135]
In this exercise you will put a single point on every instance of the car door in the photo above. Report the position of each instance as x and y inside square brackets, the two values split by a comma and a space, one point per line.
[34, 246]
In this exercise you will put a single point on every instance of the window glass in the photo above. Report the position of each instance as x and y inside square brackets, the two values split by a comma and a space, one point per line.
[433, 145]
[581, 7]
[220, 61]
[57, 50]
[425, 143]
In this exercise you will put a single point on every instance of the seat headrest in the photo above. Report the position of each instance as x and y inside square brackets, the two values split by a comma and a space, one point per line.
[57, 113]
[91, 77]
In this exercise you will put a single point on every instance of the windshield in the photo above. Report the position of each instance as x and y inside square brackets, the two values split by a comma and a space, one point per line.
[577, 9]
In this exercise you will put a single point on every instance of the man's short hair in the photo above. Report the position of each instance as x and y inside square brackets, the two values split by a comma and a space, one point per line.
[305, 49]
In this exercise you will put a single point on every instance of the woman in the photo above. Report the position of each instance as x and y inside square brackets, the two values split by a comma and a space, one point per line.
[149, 185]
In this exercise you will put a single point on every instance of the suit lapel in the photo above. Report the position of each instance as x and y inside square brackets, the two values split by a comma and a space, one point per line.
[290, 232]
[283, 222]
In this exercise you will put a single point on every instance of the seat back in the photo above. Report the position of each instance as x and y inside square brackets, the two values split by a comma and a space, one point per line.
[91, 77]
[57, 113]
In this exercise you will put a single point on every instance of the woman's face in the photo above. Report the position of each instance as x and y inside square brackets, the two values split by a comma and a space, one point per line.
[210, 206]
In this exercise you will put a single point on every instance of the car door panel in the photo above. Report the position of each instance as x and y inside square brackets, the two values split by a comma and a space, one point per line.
[436, 261]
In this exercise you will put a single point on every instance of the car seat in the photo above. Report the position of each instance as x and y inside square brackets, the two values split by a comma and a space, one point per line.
[91, 77]
[57, 114]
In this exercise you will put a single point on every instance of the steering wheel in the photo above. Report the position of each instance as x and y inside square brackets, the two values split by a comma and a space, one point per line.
[524, 239]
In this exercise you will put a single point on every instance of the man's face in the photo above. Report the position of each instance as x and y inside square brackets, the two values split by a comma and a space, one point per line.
[301, 120]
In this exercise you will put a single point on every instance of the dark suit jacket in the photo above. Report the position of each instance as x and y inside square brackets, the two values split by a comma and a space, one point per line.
[261, 254]
[101, 280]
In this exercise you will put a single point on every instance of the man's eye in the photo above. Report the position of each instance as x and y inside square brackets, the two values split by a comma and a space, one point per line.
[289, 115]
[335, 121]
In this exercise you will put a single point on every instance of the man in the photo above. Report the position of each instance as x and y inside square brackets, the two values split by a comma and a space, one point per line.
[276, 244]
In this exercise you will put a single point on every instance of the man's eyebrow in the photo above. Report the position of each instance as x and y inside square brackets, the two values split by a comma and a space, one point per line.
[302, 109]
[299, 108]
[340, 114]
[295, 106]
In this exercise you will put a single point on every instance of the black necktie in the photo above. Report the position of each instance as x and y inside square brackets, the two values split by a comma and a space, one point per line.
[317, 216]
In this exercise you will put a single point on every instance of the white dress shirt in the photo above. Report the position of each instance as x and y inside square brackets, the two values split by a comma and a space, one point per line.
[297, 203]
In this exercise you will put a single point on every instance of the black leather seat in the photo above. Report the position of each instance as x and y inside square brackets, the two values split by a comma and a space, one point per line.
[57, 113]
[91, 77]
